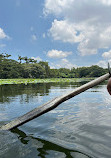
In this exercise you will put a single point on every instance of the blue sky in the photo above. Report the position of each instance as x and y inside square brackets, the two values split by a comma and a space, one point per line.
[66, 33]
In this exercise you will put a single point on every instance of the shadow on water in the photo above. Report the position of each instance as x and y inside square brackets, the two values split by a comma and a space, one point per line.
[49, 146]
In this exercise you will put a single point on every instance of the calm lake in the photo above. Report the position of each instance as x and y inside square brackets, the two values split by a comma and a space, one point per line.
[78, 128]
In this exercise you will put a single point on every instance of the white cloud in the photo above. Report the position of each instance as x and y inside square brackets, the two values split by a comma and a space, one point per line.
[106, 2]
[57, 54]
[63, 63]
[56, 6]
[65, 32]
[44, 35]
[79, 10]
[107, 54]
[33, 37]
[84, 21]
[102, 63]
[2, 34]
[67, 64]
[106, 58]
[37, 58]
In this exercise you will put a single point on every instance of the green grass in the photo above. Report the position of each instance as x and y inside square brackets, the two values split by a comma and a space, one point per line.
[26, 81]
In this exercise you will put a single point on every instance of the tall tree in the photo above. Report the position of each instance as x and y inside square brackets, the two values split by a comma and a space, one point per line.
[46, 67]
[33, 71]
[26, 59]
[10, 69]
[35, 61]
[7, 55]
[31, 60]
[20, 58]
[1, 57]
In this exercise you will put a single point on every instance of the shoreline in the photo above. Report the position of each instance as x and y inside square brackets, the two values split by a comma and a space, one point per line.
[46, 80]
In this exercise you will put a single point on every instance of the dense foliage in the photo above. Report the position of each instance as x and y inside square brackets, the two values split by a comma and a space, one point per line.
[31, 69]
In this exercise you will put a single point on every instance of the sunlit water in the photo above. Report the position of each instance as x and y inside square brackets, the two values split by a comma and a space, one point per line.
[78, 128]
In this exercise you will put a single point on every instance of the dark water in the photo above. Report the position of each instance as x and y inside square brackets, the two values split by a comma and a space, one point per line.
[78, 128]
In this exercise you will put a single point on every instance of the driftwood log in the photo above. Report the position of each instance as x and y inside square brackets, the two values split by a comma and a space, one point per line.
[52, 104]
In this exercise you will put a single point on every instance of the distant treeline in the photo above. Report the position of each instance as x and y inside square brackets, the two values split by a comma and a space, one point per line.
[30, 68]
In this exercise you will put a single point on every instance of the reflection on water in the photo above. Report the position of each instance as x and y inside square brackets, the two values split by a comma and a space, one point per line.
[35, 147]
[26, 92]
[78, 128]
[47, 147]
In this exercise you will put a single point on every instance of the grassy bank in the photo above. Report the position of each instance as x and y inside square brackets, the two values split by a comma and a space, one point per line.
[26, 81]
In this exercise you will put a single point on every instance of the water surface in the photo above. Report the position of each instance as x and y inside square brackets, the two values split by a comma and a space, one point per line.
[78, 128]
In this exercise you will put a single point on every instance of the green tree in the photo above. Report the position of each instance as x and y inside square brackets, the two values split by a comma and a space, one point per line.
[32, 60]
[26, 59]
[20, 59]
[10, 69]
[4, 56]
[83, 71]
[96, 71]
[46, 67]
[54, 73]
[73, 73]
[64, 72]
[7, 55]
[33, 71]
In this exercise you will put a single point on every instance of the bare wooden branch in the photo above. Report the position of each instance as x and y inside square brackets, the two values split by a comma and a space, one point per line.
[51, 104]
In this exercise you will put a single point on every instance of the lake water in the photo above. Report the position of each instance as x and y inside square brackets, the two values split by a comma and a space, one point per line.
[78, 128]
